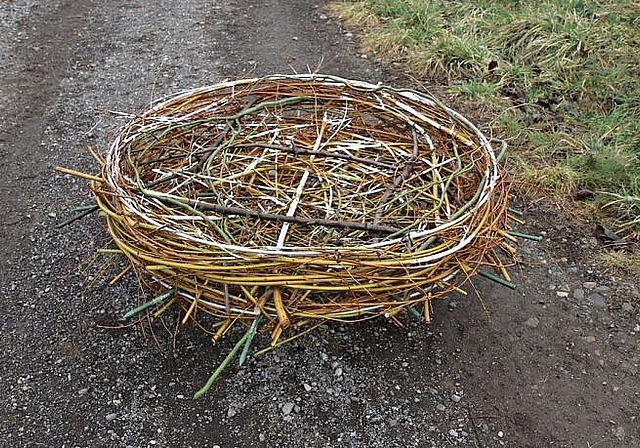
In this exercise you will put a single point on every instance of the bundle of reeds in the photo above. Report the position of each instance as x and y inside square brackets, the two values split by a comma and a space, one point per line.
[302, 199]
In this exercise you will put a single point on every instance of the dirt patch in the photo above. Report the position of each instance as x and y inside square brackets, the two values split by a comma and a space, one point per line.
[553, 362]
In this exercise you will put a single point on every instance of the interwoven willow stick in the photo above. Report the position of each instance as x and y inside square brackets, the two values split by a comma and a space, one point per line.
[303, 197]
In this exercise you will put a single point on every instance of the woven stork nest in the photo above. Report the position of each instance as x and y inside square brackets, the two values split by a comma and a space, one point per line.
[302, 199]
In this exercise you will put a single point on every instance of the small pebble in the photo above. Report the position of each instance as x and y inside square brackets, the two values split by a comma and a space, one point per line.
[532, 322]
[456, 398]
[306, 387]
[111, 417]
[287, 408]
[500, 434]
[231, 412]
[440, 407]
[597, 299]
[619, 433]
[453, 433]
[590, 339]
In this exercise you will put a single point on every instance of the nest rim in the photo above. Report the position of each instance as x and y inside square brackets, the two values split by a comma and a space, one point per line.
[345, 263]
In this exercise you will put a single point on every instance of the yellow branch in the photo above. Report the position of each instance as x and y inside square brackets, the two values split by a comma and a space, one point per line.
[74, 173]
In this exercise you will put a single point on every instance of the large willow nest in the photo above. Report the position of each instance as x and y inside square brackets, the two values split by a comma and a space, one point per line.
[302, 198]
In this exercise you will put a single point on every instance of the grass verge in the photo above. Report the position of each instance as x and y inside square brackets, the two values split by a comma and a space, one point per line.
[561, 79]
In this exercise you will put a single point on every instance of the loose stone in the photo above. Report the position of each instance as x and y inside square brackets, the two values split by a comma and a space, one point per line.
[597, 299]
[532, 322]
[287, 408]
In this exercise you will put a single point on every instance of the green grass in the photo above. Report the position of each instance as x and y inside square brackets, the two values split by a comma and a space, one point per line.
[559, 79]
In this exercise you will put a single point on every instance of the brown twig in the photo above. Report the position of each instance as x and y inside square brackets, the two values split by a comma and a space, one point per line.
[78, 216]
[207, 206]
[399, 179]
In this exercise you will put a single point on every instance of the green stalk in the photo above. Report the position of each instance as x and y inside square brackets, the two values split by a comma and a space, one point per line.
[525, 236]
[515, 212]
[247, 344]
[155, 301]
[497, 279]
[503, 149]
[212, 379]
[414, 312]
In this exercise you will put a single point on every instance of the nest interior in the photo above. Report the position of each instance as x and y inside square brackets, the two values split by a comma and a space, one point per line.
[302, 199]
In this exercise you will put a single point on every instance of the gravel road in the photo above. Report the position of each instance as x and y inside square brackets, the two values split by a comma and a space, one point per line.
[554, 362]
